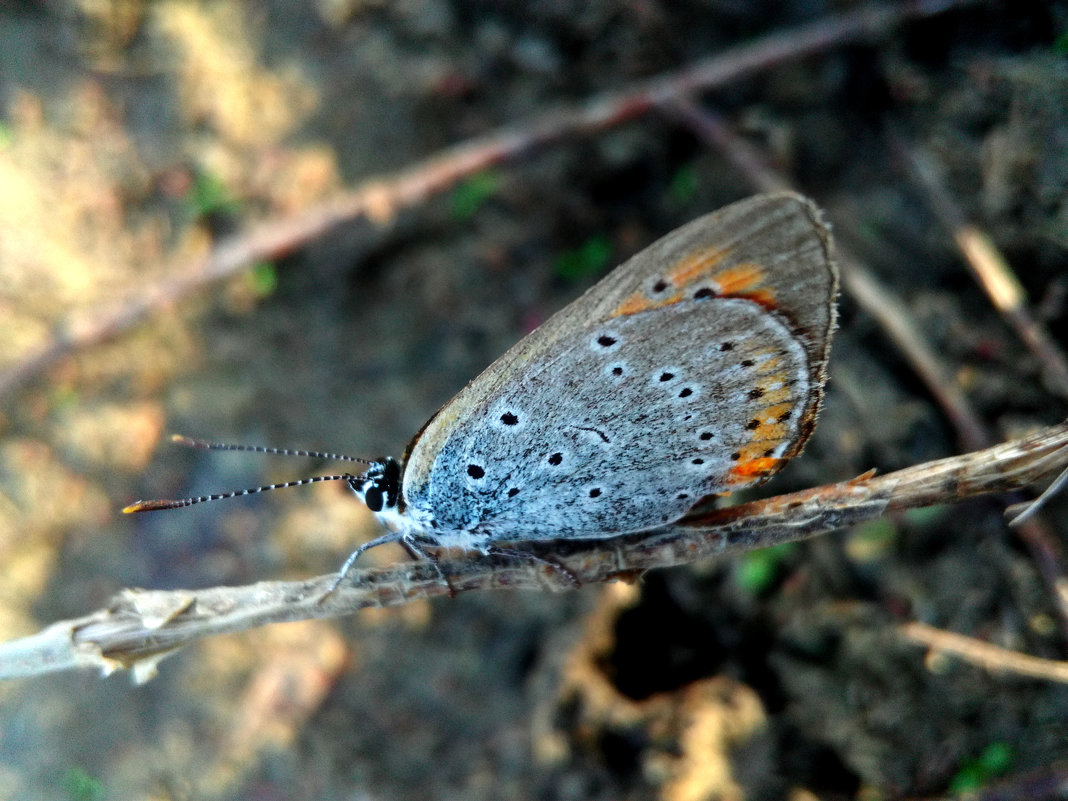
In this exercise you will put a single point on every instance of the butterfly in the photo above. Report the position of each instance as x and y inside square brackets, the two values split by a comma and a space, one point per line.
[695, 368]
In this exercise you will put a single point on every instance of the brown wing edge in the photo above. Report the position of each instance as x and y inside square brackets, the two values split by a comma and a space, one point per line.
[821, 354]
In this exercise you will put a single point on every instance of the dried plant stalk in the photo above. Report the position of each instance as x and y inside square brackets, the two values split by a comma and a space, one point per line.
[139, 627]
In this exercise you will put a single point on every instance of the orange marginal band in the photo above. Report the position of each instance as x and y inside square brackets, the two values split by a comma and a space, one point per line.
[695, 266]
[747, 281]
[740, 279]
[752, 469]
[638, 302]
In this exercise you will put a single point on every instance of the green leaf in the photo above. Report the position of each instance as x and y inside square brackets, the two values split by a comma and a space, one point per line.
[995, 760]
[1060, 44]
[968, 779]
[757, 571]
[210, 196]
[588, 259]
[683, 185]
[871, 541]
[263, 278]
[926, 516]
[81, 786]
[468, 197]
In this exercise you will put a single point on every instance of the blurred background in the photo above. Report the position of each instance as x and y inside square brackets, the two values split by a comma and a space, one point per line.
[136, 136]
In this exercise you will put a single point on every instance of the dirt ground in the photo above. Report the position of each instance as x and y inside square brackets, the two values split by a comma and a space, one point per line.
[133, 135]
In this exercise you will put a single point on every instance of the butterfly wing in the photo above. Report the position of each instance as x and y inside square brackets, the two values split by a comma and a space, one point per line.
[694, 368]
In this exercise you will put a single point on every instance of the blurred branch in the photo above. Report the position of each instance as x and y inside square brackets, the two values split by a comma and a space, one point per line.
[983, 654]
[140, 627]
[380, 199]
[989, 267]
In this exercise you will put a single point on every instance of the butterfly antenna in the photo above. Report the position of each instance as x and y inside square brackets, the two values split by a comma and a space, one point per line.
[152, 506]
[204, 444]
[190, 442]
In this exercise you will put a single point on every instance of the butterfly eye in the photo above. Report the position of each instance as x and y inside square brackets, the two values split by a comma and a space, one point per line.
[372, 496]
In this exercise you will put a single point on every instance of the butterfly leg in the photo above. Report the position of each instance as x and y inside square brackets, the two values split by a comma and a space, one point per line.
[416, 550]
[392, 536]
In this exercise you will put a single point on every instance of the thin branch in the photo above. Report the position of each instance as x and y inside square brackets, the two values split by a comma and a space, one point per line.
[989, 267]
[985, 655]
[140, 627]
[379, 199]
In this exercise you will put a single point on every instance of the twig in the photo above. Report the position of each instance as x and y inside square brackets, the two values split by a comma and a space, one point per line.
[380, 199]
[987, 656]
[990, 268]
[139, 627]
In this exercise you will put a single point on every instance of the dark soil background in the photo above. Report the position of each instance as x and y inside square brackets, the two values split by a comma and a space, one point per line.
[132, 134]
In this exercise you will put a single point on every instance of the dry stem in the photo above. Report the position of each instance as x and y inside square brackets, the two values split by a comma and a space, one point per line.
[140, 627]
[990, 268]
[985, 655]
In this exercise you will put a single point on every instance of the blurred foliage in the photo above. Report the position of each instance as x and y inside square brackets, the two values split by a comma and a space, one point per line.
[209, 195]
[588, 259]
[871, 541]
[81, 786]
[995, 761]
[757, 571]
[684, 184]
[262, 279]
[468, 197]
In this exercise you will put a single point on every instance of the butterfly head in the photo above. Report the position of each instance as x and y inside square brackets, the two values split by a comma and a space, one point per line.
[380, 486]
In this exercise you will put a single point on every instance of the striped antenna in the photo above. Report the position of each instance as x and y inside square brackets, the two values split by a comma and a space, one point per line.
[204, 444]
[166, 503]
[152, 506]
